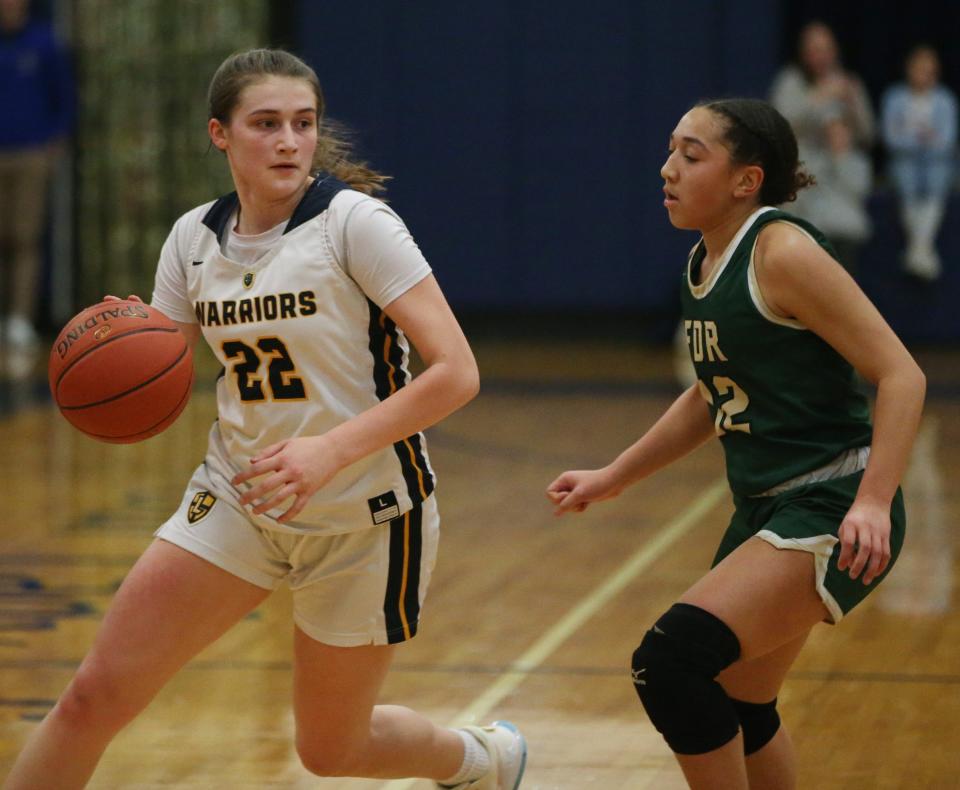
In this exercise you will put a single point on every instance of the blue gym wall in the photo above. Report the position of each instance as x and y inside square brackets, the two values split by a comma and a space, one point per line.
[526, 138]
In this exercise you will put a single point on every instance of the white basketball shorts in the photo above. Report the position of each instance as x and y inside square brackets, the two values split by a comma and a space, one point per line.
[356, 588]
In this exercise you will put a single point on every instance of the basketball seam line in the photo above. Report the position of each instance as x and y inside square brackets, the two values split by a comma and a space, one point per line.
[186, 395]
[101, 344]
[140, 385]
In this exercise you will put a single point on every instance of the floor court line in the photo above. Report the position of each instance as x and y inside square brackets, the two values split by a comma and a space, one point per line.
[588, 606]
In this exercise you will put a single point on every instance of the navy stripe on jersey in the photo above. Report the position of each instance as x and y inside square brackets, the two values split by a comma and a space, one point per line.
[313, 203]
[316, 200]
[219, 214]
[389, 376]
[401, 603]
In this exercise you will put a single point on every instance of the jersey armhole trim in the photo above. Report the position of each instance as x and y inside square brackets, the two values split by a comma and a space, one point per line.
[756, 295]
[821, 547]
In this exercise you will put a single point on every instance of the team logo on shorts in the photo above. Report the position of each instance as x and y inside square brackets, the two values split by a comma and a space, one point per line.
[201, 504]
[248, 279]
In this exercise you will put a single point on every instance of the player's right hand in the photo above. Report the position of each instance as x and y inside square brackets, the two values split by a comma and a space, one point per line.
[131, 298]
[573, 491]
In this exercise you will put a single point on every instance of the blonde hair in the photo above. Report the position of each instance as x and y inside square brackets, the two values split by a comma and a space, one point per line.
[334, 151]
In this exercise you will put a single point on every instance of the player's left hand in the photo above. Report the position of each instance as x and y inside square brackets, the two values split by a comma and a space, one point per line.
[865, 540]
[292, 468]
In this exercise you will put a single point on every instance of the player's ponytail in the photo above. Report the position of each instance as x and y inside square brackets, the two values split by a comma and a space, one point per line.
[757, 134]
[334, 152]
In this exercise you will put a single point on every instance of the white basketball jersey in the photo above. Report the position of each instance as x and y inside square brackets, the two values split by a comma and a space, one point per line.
[304, 347]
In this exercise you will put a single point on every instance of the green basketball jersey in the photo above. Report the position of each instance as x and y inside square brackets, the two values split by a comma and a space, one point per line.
[783, 402]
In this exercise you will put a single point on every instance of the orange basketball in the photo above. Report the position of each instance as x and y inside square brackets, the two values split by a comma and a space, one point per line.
[120, 371]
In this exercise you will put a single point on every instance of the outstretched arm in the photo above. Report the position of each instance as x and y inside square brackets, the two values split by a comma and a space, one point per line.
[682, 428]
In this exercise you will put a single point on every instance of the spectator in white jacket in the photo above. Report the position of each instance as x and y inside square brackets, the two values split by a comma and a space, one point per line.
[920, 133]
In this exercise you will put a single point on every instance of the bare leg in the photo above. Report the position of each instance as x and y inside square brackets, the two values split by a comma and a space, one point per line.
[171, 605]
[767, 597]
[340, 730]
[773, 767]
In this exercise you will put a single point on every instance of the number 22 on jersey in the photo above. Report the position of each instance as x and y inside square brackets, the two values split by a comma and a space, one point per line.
[730, 401]
[280, 381]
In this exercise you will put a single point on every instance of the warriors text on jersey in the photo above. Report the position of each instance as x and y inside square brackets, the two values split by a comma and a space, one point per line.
[784, 403]
[303, 340]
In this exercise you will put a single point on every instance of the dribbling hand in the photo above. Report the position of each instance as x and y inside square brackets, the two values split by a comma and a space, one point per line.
[131, 298]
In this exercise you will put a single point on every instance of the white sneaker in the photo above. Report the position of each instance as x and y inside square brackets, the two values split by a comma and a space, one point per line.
[923, 263]
[508, 757]
[20, 333]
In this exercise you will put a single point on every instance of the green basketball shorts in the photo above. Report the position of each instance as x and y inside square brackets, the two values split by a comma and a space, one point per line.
[808, 518]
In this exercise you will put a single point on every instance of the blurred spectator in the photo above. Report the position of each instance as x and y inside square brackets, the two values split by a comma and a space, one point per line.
[36, 104]
[837, 203]
[920, 132]
[831, 115]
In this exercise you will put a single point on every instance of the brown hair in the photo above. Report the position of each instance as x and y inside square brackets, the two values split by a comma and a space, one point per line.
[757, 134]
[334, 150]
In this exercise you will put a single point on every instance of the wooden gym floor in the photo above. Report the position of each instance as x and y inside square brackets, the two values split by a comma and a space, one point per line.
[529, 618]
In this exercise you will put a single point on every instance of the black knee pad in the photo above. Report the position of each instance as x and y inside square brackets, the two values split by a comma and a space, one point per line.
[759, 722]
[674, 672]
